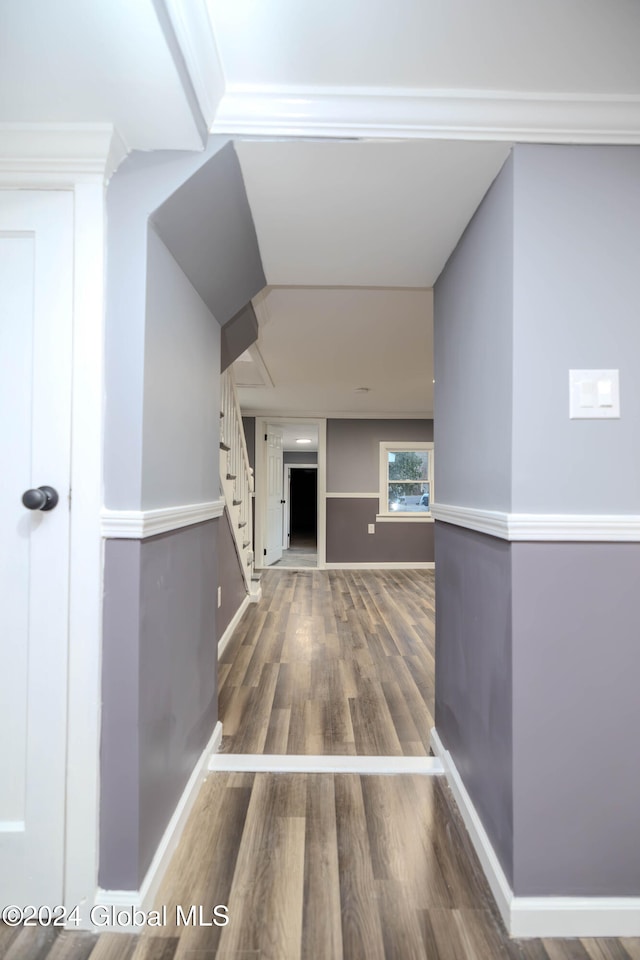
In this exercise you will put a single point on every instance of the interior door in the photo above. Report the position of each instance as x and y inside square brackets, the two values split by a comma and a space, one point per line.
[36, 269]
[275, 490]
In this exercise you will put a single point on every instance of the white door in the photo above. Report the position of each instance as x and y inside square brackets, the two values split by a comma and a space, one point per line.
[275, 485]
[36, 231]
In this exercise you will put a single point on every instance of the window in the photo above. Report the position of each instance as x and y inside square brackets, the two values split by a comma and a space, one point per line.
[406, 480]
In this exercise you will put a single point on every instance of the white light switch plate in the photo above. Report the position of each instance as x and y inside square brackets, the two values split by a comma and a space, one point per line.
[594, 394]
[371, 527]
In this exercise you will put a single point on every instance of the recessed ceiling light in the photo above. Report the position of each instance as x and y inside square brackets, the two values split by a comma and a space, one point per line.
[303, 440]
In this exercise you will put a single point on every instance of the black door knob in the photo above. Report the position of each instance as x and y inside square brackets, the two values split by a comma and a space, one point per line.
[40, 498]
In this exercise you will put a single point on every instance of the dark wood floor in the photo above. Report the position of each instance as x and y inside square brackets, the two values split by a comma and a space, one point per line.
[332, 662]
[321, 867]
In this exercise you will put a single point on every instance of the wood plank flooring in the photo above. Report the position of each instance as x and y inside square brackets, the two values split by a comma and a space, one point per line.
[325, 866]
[321, 867]
[332, 662]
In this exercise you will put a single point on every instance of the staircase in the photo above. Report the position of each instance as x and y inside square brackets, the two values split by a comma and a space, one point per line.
[236, 476]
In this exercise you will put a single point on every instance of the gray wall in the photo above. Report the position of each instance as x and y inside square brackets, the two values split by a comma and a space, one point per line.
[297, 456]
[230, 576]
[208, 226]
[576, 752]
[474, 673]
[238, 334]
[577, 254]
[473, 321]
[353, 466]
[119, 864]
[537, 642]
[353, 450]
[178, 670]
[348, 540]
[159, 687]
[181, 388]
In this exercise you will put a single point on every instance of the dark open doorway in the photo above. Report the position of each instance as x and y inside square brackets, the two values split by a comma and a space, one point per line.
[303, 507]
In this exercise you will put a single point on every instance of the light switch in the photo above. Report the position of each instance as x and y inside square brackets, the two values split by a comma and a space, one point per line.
[587, 394]
[594, 394]
[605, 393]
[371, 527]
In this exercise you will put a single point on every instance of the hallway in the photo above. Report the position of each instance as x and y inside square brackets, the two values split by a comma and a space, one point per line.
[332, 662]
[324, 866]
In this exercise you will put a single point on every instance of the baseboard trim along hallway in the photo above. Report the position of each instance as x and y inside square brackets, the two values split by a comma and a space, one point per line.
[233, 623]
[301, 763]
[143, 898]
[537, 916]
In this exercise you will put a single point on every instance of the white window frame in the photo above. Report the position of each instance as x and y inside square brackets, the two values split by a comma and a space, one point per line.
[384, 514]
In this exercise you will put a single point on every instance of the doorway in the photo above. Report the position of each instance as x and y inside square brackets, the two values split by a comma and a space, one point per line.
[301, 514]
[290, 499]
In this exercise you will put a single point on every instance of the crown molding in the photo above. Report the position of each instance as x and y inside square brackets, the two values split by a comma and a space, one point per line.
[424, 114]
[194, 34]
[614, 528]
[140, 524]
[58, 155]
[286, 414]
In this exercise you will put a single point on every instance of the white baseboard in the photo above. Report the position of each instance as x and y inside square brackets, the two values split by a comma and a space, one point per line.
[299, 763]
[233, 623]
[143, 899]
[382, 565]
[494, 873]
[537, 916]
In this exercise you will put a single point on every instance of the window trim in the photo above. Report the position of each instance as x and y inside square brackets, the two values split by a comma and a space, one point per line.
[399, 446]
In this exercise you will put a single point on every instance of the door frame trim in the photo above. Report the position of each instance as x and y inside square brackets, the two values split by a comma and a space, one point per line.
[260, 501]
[86, 548]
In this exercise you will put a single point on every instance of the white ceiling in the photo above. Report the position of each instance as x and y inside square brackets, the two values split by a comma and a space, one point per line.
[363, 214]
[362, 229]
[320, 344]
[517, 45]
[94, 61]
